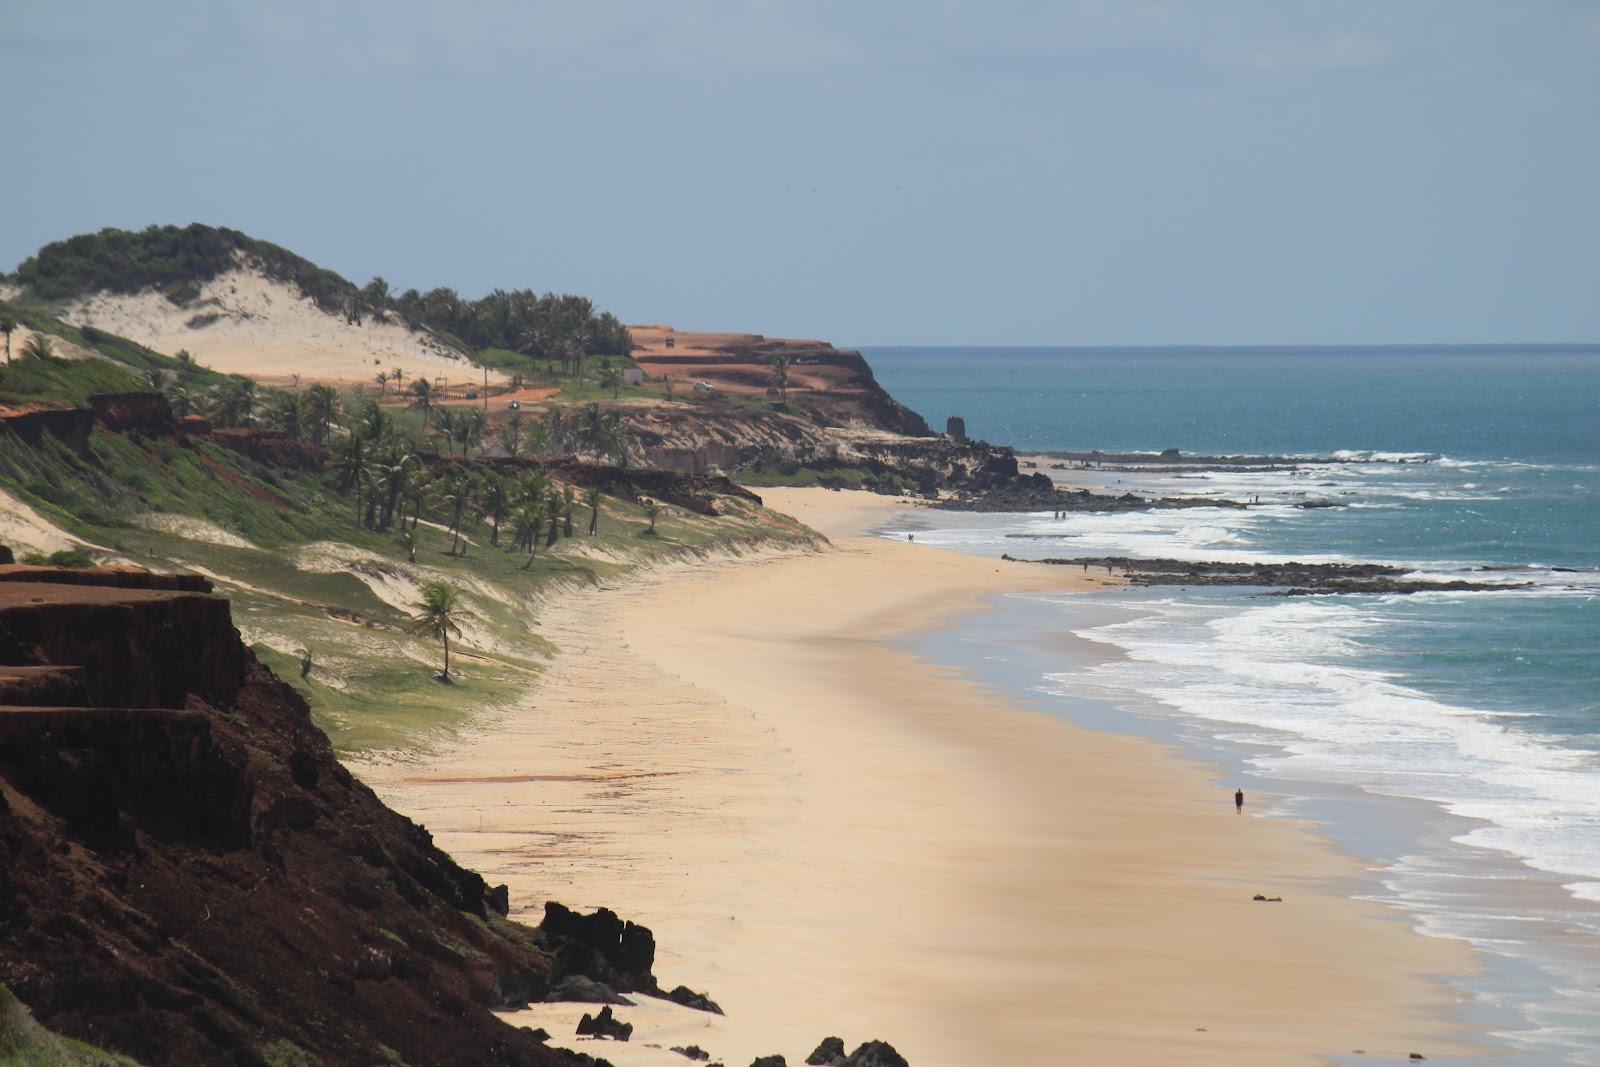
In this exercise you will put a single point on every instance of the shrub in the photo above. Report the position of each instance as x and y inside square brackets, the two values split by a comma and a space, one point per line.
[71, 558]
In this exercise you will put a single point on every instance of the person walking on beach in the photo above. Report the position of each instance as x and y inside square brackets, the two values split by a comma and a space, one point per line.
[1238, 801]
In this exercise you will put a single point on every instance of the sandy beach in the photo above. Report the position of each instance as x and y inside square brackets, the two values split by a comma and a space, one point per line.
[831, 836]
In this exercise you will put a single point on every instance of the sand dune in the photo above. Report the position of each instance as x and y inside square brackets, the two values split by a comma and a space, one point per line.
[245, 323]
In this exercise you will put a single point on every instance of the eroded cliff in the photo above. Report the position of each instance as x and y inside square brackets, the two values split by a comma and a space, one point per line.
[188, 875]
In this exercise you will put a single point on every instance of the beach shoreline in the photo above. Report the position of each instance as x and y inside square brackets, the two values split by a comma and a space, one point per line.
[831, 835]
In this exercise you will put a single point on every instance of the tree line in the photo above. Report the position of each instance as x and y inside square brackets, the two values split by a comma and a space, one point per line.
[179, 260]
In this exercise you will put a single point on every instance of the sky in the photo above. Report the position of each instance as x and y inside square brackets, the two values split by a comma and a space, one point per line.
[991, 172]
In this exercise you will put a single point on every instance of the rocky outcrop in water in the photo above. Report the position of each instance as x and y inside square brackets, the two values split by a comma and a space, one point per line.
[1292, 579]
[1036, 492]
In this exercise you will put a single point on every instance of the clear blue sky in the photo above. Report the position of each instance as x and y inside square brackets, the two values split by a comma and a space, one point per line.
[1120, 171]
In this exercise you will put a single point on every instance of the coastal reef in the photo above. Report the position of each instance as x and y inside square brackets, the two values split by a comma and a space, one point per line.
[1291, 579]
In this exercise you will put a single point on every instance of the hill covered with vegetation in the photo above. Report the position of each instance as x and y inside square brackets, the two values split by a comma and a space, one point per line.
[179, 261]
[323, 514]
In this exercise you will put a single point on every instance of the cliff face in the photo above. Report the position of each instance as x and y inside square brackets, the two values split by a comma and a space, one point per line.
[830, 386]
[187, 875]
[697, 439]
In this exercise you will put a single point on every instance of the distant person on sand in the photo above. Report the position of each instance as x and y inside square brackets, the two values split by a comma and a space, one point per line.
[911, 537]
[1238, 801]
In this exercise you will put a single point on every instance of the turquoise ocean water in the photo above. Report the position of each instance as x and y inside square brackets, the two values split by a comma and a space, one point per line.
[1477, 716]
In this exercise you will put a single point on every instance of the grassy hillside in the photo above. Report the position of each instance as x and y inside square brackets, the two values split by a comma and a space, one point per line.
[122, 367]
[316, 583]
[24, 1043]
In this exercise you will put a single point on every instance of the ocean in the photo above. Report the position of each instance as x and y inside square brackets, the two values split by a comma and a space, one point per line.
[1451, 740]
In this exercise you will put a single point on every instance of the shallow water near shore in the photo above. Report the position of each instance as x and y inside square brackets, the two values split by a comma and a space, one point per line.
[1449, 740]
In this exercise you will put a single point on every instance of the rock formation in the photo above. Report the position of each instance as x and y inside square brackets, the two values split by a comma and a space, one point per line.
[188, 875]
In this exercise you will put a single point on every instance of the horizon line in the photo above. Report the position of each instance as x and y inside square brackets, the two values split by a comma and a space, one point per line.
[1254, 345]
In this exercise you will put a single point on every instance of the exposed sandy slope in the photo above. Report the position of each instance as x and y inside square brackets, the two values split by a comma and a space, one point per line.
[267, 330]
[833, 837]
[22, 529]
[60, 347]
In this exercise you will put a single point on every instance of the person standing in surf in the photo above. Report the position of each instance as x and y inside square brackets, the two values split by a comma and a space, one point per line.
[1238, 801]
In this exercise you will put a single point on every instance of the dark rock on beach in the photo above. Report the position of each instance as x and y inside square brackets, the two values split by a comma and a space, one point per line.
[604, 1025]
[688, 998]
[693, 1052]
[580, 989]
[830, 1053]
[600, 946]
[875, 1054]
[768, 1061]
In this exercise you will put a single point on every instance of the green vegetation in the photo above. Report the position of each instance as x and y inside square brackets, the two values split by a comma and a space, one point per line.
[178, 261]
[285, 1053]
[70, 558]
[833, 478]
[564, 328]
[24, 1043]
[780, 376]
[323, 568]
[122, 367]
[63, 382]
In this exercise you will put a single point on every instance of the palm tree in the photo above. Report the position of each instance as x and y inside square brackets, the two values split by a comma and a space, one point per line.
[352, 468]
[374, 423]
[322, 410]
[592, 499]
[495, 498]
[446, 426]
[440, 613]
[419, 496]
[538, 442]
[236, 401]
[38, 347]
[382, 378]
[592, 427]
[422, 397]
[178, 398]
[464, 428]
[525, 531]
[288, 414]
[511, 434]
[614, 437]
[652, 511]
[7, 325]
[392, 475]
[533, 486]
[780, 375]
[611, 378]
[556, 427]
[552, 507]
[458, 489]
[397, 376]
[569, 500]
[469, 429]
